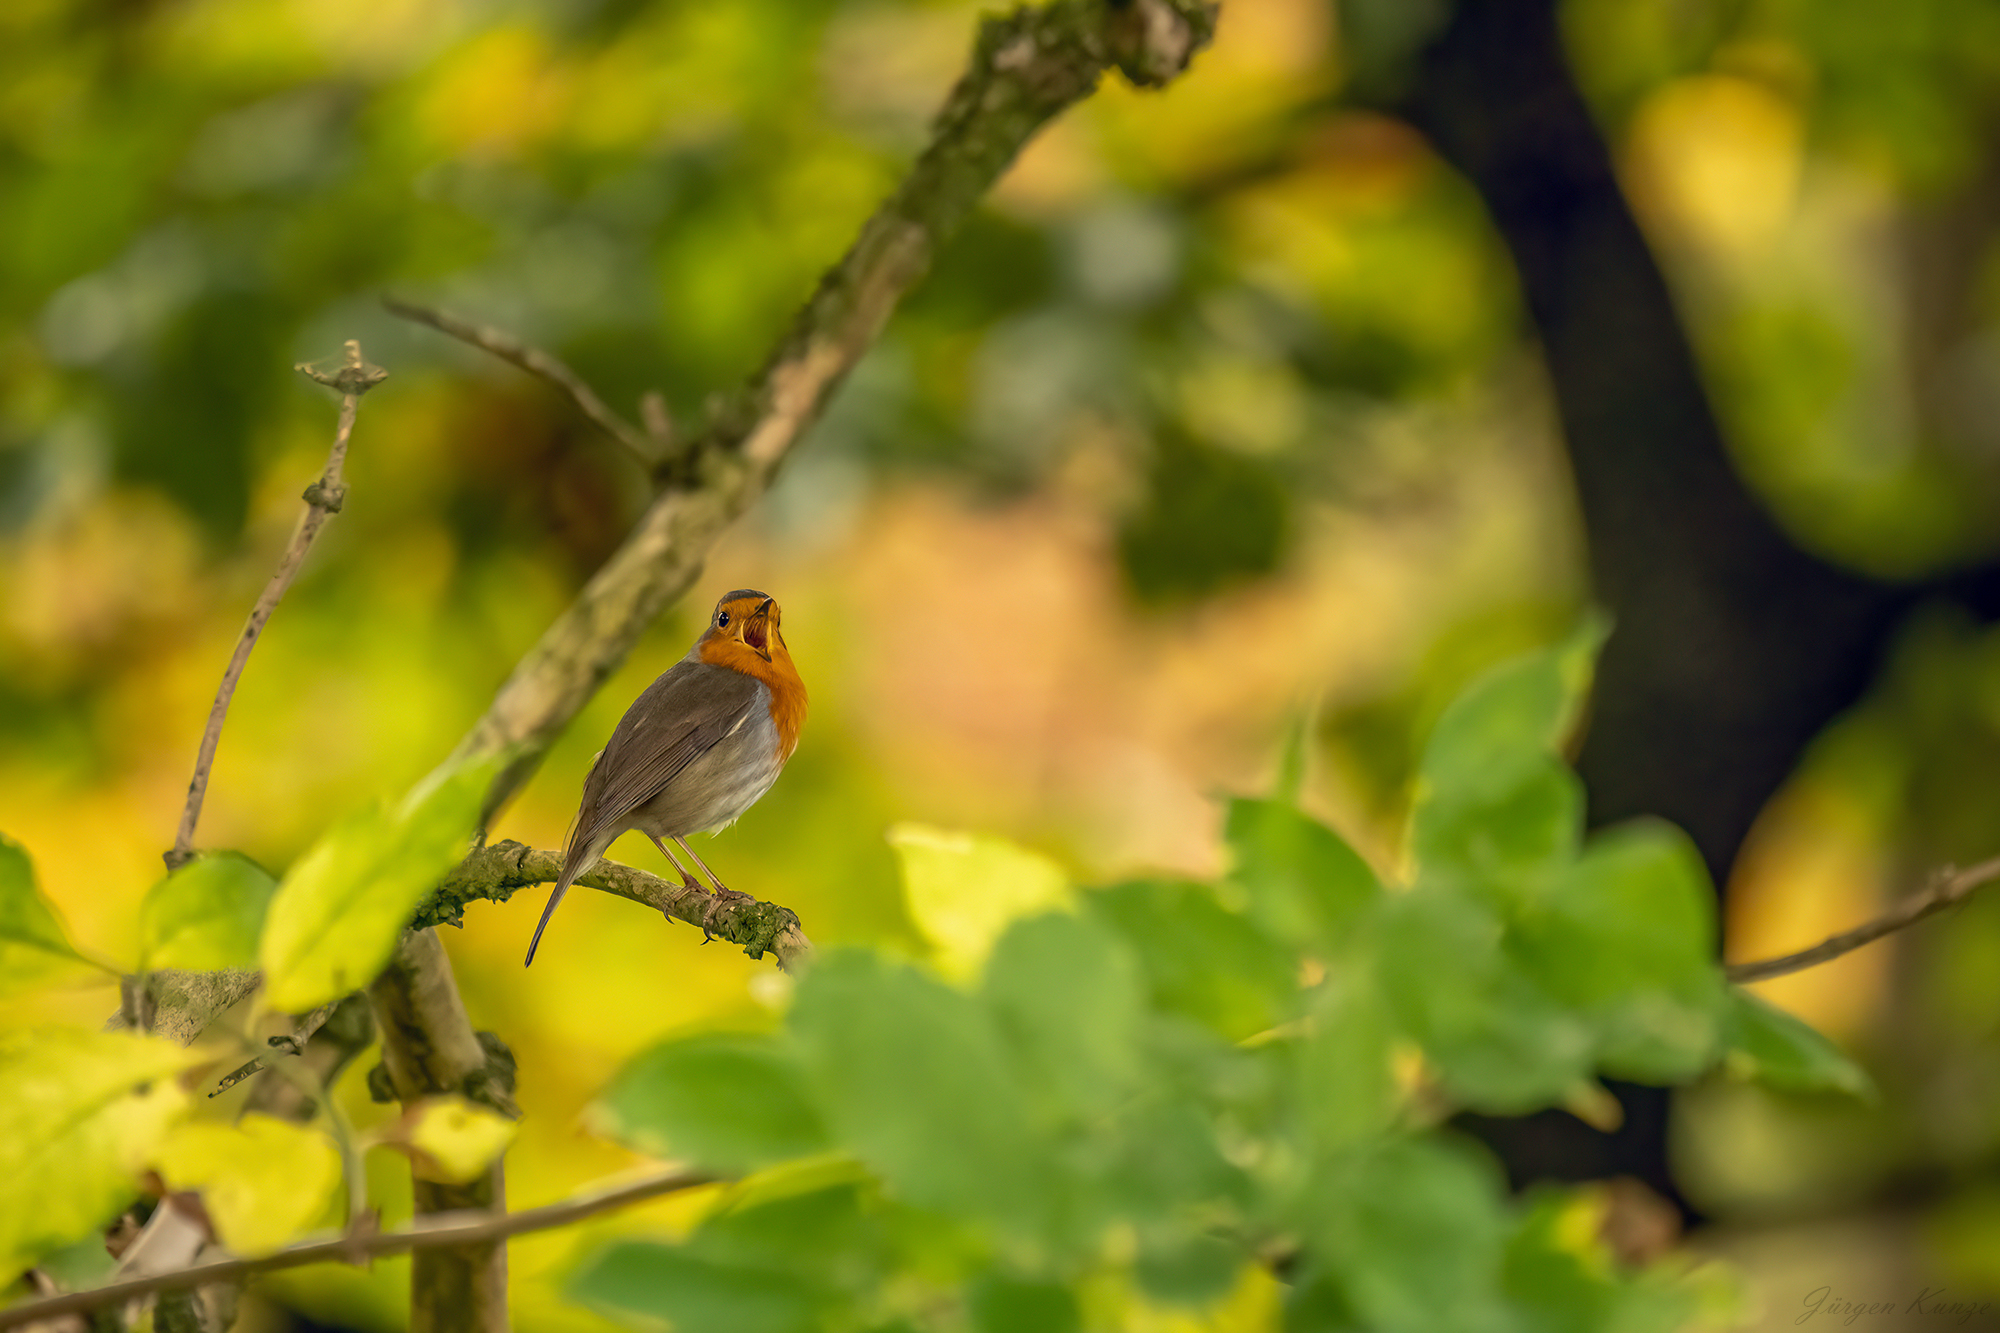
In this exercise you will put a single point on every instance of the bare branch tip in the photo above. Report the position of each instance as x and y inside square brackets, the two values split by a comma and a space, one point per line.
[354, 375]
[1944, 888]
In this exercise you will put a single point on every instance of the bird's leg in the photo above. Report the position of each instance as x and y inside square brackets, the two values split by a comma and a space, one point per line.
[713, 877]
[690, 882]
[723, 893]
[687, 880]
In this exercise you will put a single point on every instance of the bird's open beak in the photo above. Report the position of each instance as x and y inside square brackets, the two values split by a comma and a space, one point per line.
[757, 630]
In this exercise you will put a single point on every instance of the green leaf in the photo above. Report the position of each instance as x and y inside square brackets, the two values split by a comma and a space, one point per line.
[832, 1237]
[87, 1263]
[1201, 959]
[1067, 996]
[1765, 1043]
[1306, 885]
[262, 1180]
[1160, 1162]
[914, 1077]
[1626, 937]
[34, 951]
[1417, 1239]
[964, 889]
[1506, 720]
[729, 1102]
[205, 916]
[1169, 1165]
[1002, 1305]
[1505, 842]
[336, 917]
[1492, 794]
[1499, 1042]
[77, 1124]
[1184, 1267]
[1315, 1303]
[638, 1283]
[1346, 1087]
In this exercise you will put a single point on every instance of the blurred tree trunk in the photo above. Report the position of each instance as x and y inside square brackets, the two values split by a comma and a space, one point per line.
[1733, 648]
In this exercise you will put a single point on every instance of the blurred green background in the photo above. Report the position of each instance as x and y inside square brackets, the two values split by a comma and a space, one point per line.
[1224, 412]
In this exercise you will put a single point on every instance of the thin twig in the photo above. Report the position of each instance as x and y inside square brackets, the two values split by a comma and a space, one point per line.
[647, 448]
[323, 499]
[300, 1035]
[1947, 888]
[442, 1229]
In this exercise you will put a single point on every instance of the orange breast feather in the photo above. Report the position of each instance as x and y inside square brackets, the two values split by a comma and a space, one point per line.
[788, 692]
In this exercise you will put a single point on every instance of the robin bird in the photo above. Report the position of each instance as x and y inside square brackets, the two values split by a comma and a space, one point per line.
[696, 749]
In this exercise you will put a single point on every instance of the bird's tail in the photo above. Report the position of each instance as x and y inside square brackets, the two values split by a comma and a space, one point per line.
[578, 857]
[562, 887]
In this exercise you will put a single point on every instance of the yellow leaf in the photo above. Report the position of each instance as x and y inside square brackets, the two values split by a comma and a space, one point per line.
[79, 1115]
[34, 950]
[335, 919]
[205, 916]
[263, 1180]
[964, 889]
[450, 1138]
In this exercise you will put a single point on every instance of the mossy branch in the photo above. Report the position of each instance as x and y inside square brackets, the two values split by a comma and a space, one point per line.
[493, 874]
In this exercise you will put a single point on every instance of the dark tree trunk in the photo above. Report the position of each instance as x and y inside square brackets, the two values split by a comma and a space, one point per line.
[1732, 646]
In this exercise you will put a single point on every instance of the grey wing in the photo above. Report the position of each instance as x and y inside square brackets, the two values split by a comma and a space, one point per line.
[682, 715]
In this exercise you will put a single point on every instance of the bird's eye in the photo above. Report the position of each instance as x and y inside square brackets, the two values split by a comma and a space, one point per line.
[722, 620]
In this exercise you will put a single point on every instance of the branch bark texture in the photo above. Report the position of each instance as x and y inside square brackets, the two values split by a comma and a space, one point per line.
[182, 1004]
